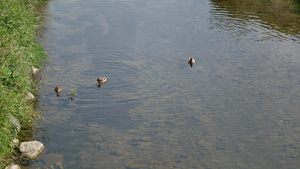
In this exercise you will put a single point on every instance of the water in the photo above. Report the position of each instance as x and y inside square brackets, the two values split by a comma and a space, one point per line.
[237, 107]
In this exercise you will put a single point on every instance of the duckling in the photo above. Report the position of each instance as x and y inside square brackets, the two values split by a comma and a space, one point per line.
[191, 61]
[58, 89]
[101, 80]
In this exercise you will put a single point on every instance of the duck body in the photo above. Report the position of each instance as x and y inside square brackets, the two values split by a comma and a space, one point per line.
[58, 89]
[102, 80]
[191, 60]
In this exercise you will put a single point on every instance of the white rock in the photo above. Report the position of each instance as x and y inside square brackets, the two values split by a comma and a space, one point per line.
[31, 149]
[34, 70]
[30, 96]
[13, 166]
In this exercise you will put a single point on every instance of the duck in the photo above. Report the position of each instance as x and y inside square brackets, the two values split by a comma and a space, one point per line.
[101, 80]
[191, 61]
[58, 89]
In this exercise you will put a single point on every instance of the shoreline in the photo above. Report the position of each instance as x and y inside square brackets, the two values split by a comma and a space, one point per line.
[20, 52]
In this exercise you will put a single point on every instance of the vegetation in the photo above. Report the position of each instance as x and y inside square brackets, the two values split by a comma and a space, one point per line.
[73, 92]
[19, 51]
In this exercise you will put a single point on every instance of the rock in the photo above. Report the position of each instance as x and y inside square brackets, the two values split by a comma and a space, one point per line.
[296, 129]
[15, 123]
[15, 143]
[145, 139]
[13, 166]
[53, 159]
[136, 166]
[34, 70]
[31, 149]
[30, 96]
[118, 153]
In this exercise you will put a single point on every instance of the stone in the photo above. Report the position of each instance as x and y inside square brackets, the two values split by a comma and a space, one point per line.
[30, 96]
[144, 139]
[14, 122]
[31, 149]
[118, 153]
[34, 70]
[13, 166]
[296, 129]
[15, 143]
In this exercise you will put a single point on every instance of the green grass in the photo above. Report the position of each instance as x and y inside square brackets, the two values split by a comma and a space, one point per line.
[19, 51]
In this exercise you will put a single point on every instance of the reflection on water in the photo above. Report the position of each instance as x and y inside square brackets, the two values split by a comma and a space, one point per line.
[237, 107]
[272, 19]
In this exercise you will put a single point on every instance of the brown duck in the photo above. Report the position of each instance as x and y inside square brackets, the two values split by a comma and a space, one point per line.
[58, 89]
[101, 80]
[191, 61]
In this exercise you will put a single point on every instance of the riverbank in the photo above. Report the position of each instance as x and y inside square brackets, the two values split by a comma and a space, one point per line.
[19, 52]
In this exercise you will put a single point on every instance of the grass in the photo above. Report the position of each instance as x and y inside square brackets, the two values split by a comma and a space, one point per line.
[19, 51]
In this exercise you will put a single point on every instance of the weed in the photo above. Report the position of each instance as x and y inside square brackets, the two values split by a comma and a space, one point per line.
[19, 51]
[73, 92]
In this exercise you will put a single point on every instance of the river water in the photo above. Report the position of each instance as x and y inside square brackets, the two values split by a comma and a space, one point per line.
[237, 107]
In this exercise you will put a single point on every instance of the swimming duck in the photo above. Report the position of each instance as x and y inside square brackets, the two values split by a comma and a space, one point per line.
[101, 80]
[191, 61]
[58, 89]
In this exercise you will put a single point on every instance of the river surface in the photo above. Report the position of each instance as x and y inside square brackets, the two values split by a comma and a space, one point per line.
[237, 107]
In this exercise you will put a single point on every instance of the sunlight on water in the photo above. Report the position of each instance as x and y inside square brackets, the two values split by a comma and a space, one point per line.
[237, 107]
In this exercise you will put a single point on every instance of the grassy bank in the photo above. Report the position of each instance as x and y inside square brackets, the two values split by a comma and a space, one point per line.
[19, 51]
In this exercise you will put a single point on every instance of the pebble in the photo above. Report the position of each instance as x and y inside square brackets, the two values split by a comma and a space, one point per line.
[118, 153]
[30, 96]
[34, 70]
[15, 143]
[13, 166]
